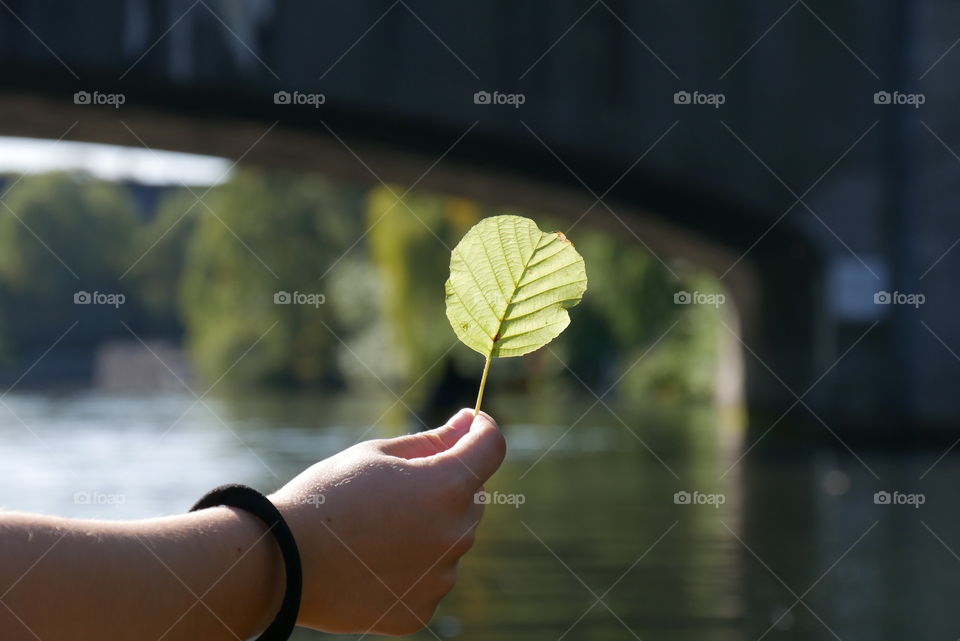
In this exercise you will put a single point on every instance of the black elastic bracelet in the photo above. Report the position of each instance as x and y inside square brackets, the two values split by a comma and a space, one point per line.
[249, 500]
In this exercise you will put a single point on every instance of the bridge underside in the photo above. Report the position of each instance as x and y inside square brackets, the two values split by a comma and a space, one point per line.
[772, 304]
[830, 196]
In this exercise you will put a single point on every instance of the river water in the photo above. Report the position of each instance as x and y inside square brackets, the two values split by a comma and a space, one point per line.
[625, 526]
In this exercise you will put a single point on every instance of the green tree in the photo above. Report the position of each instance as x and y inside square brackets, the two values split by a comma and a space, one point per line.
[266, 233]
[410, 244]
[628, 307]
[61, 234]
[158, 254]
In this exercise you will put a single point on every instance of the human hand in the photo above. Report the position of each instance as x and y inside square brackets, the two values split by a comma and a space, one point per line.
[381, 525]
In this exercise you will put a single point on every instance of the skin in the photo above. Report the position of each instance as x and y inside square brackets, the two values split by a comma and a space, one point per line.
[380, 527]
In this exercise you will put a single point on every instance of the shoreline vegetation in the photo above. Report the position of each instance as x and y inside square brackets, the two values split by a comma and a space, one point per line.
[297, 283]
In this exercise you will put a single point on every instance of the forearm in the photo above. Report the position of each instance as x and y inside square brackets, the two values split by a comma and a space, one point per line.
[212, 574]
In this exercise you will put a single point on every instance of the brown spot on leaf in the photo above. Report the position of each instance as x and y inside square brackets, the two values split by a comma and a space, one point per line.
[563, 237]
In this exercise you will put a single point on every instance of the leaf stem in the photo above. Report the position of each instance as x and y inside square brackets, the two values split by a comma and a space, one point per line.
[483, 385]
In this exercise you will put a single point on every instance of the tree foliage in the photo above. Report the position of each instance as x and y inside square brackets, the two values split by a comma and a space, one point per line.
[265, 234]
[60, 234]
[209, 271]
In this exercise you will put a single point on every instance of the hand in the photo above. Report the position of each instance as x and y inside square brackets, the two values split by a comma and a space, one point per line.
[381, 525]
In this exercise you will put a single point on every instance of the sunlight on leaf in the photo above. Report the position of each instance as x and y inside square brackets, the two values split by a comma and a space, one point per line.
[510, 286]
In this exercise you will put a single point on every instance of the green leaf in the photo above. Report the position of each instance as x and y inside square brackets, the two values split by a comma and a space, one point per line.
[510, 286]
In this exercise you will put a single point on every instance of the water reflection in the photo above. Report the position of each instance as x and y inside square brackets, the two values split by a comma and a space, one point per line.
[794, 547]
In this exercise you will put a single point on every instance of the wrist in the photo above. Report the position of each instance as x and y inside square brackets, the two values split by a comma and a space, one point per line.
[307, 521]
[291, 518]
[244, 582]
[266, 564]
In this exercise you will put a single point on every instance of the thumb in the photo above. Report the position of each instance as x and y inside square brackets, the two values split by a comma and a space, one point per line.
[478, 453]
[430, 442]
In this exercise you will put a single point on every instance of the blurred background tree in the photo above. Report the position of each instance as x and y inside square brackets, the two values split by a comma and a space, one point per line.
[266, 233]
[160, 252]
[86, 227]
[410, 246]
[206, 272]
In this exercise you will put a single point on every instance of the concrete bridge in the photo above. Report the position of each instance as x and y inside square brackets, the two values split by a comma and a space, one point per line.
[806, 151]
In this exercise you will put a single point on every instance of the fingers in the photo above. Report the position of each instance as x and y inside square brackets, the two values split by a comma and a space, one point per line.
[477, 454]
[432, 441]
[467, 447]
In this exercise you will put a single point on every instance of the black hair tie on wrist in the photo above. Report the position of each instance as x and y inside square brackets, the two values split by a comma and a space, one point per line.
[249, 500]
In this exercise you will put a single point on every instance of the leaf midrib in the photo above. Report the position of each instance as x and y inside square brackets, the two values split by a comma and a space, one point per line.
[496, 337]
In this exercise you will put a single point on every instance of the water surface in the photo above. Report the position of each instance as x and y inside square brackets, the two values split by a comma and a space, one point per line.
[781, 547]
